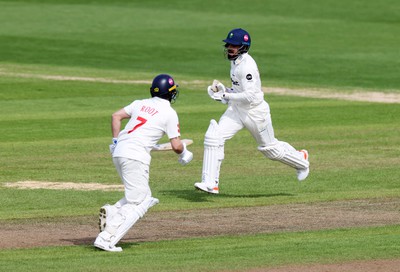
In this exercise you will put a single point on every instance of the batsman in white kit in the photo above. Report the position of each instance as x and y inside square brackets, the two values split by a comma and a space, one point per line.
[149, 120]
[246, 109]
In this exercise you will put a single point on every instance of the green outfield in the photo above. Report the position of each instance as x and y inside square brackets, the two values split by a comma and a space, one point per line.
[66, 66]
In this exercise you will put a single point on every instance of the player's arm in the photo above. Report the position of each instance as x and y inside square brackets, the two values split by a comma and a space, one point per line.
[173, 132]
[116, 120]
[176, 145]
[185, 156]
[248, 84]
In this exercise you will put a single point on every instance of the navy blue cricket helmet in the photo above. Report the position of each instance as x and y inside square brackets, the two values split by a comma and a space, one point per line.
[164, 86]
[237, 36]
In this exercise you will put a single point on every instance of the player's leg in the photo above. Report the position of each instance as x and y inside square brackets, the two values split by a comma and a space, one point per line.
[285, 153]
[105, 214]
[138, 200]
[126, 217]
[121, 222]
[107, 210]
[214, 141]
[212, 157]
[260, 126]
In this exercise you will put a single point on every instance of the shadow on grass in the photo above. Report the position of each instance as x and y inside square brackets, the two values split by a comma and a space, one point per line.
[198, 196]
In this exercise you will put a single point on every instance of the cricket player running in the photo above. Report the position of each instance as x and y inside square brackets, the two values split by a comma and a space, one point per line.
[149, 120]
[246, 109]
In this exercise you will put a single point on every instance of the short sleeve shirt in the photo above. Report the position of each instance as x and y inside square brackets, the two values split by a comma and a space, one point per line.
[150, 120]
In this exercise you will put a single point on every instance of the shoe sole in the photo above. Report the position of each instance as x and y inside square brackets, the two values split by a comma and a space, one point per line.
[213, 192]
[102, 247]
[102, 219]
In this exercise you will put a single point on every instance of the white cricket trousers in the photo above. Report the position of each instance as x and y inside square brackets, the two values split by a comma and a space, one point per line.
[135, 177]
[257, 120]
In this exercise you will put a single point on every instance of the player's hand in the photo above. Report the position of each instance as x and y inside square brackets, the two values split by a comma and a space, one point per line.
[113, 145]
[221, 97]
[216, 91]
[218, 87]
[186, 156]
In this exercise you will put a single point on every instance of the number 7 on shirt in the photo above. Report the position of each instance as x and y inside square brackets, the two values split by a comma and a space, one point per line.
[141, 120]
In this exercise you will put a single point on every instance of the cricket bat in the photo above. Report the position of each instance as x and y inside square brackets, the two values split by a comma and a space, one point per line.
[167, 146]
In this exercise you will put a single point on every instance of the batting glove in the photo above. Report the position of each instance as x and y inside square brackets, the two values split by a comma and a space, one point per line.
[216, 91]
[186, 156]
[113, 145]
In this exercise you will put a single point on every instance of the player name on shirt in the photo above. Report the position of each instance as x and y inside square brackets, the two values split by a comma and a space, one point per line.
[149, 110]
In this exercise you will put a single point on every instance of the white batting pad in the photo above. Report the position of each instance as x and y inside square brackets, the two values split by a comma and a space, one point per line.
[213, 155]
[285, 153]
[126, 217]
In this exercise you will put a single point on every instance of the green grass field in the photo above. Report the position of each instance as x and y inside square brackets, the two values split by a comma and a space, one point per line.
[59, 130]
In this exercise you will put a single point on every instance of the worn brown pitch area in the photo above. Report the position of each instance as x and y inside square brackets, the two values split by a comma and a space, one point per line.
[213, 222]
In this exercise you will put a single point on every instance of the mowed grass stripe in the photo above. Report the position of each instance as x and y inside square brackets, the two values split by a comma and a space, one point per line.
[352, 95]
[331, 44]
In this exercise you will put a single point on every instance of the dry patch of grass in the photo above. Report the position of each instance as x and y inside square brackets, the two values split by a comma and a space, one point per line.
[31, 184]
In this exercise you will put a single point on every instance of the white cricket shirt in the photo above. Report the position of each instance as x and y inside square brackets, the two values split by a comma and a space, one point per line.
[150, 120]
[246, 82]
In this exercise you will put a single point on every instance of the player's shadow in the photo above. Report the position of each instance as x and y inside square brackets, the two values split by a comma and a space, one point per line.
[198, 196]
[80, 241]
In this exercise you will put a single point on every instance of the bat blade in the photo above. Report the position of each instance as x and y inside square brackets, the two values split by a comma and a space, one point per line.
[167, 146]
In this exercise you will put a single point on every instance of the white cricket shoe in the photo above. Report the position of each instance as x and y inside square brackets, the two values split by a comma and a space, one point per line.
[203, 187]
[105, 245]
[107, 211]
[302, 174]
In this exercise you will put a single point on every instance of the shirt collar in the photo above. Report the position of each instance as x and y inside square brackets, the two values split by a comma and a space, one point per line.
[162, 100]
[239, 59]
